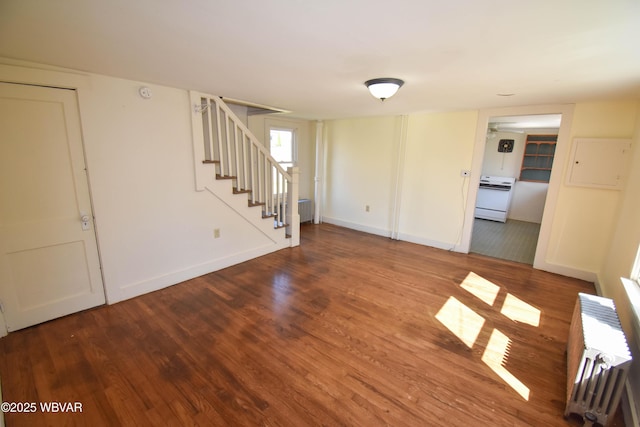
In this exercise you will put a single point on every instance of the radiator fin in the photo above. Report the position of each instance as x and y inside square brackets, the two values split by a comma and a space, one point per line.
[305, 210]
[598, 359]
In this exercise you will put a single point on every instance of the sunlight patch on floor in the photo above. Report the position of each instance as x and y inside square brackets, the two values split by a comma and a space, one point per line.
[480, 287]
[467, 325]
[496, 355]
[519, 311]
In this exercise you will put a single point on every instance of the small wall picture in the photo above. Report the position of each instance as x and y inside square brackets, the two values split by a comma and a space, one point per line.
[505, 146]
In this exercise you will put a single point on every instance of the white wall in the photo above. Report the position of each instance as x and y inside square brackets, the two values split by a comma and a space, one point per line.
[503, 164]
[527, 203]
[153, 228]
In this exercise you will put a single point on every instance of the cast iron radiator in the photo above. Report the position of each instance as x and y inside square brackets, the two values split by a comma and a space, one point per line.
[305, 210]
[598, 360]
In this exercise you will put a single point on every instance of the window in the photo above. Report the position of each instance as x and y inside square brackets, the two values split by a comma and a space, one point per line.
[635, 272]
[282, 146]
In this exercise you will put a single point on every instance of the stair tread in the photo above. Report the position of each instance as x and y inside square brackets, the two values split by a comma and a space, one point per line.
[218, 176]
[241, 191]
[207, 162]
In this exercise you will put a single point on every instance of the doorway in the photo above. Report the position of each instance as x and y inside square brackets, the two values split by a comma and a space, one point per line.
[512, 151]
[49, 265]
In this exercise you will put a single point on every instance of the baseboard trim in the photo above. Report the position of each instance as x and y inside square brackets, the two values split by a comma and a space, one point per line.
[356, 226]
[160, 282]
[428, 242]
[588, 276]
[387, 233]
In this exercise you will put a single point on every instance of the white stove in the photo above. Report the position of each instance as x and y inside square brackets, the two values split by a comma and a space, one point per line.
[494, 197]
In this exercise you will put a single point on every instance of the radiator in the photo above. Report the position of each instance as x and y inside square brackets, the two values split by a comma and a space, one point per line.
[305, 210]
[598, 360]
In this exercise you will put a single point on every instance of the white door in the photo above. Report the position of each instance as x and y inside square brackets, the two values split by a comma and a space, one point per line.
[49, 264]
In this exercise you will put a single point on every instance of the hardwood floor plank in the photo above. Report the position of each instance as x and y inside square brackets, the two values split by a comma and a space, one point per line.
[347, 329]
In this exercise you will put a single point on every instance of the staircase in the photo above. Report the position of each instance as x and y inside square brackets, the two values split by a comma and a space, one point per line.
[234, 166]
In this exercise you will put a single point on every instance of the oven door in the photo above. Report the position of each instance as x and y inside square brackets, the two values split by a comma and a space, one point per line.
[493, 203]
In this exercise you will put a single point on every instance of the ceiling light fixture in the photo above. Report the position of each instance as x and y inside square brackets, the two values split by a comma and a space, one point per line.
[384, 87]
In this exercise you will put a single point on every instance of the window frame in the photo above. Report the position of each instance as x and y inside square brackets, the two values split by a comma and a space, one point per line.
[635, 270]
[294, 144]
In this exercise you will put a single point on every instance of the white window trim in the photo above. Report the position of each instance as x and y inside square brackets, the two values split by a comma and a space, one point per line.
[294, 148]
[632, 288]
[635, 271]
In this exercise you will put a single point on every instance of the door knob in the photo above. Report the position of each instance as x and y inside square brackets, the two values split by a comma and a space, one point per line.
[85, 221]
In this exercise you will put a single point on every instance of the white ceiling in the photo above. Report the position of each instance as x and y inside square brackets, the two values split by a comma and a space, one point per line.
[312, 57]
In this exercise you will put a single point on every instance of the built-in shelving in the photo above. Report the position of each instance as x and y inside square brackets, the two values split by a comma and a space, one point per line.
[538, 158]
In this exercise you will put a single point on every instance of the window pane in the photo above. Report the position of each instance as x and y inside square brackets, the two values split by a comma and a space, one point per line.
[281, 147]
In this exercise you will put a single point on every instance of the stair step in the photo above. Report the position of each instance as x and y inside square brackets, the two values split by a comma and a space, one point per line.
[241, 191]
[268, 215]
[254, 204]
[279, 224]
[208, 162]
[218, 176]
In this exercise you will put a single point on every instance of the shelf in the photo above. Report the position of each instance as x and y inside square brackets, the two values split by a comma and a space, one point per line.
[538, 158]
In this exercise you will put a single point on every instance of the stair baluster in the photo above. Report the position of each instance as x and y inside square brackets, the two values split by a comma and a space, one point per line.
[240, 156]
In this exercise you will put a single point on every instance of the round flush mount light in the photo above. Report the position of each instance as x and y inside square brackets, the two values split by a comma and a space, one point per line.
[384, 87]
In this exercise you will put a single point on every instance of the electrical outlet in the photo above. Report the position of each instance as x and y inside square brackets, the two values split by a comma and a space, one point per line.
[366, 208]
[465, 173]
[216, 233]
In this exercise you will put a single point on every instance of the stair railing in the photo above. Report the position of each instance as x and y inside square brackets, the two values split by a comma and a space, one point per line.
[240, 156]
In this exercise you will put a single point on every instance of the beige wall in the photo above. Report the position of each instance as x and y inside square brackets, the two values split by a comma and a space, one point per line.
[439, 146]
[373, 162]
[362, 154]
[584, 218]
[620, 256]
[359, 172]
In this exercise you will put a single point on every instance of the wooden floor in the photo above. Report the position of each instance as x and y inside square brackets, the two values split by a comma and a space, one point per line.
[347, 329]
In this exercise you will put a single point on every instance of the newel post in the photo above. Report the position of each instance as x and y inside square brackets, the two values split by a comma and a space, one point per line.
[292, 216]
